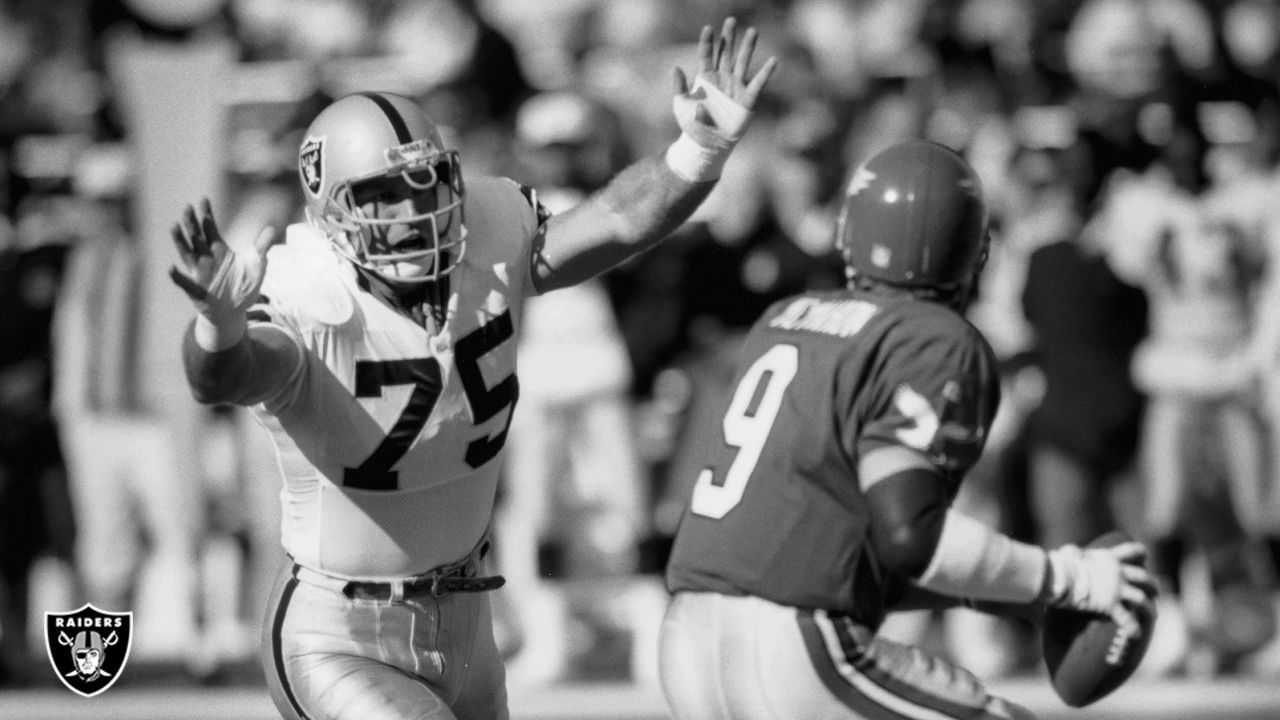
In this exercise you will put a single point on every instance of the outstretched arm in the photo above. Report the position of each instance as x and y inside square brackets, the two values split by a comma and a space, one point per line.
[225, 361]
[651, 198]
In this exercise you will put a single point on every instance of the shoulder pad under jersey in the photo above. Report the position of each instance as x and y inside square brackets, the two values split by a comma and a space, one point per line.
[502, 216]
[938, 390]
[307, 284]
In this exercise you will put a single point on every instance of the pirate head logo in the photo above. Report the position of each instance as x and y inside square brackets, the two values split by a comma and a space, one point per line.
[311, 164]
[88, 648]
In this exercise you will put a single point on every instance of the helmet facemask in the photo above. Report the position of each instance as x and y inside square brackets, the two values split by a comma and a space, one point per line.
[404, 223]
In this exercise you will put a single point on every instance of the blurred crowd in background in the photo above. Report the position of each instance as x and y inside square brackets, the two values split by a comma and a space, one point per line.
[1129, 152]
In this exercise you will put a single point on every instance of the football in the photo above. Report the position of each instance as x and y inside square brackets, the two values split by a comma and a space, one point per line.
[1088, 655]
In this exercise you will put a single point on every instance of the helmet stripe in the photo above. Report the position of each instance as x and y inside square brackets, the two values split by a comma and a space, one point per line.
[393, 116]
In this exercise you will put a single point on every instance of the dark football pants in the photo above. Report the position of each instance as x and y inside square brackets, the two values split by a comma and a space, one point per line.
[329, 656]
[745, 658]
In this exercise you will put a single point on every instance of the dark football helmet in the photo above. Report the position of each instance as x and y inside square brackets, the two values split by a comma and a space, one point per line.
[914, 217]
[379, 181]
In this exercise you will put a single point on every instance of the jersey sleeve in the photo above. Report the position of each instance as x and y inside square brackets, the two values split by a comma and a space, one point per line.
[268, 321]
[934, 389]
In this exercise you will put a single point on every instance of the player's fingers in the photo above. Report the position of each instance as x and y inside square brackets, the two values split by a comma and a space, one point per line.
[1134, 595]
[681, 83]
[182, 245]
[742, 60]
[706, 50]
[1139, 577]
[725, 48]
[752, 93]
[1136, 573]
[1129, 551]
[191, 226]
[208, 224]
[1124, 617]
[267, 237]
[189, 286]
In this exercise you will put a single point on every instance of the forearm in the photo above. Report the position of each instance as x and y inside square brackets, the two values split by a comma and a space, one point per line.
[976, 562]
[645, 203]
[250, 370]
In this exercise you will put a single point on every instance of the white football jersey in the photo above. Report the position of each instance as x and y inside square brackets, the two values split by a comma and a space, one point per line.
[390, 439]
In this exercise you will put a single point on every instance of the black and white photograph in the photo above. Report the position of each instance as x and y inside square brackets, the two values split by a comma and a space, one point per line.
[639, 359]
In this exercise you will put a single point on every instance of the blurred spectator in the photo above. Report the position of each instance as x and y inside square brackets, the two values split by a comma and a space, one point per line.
[119, 455]
[464, 71]
[1085, 430]
[35, 511]
[855, 43]
[310, 31]
[1086, 322]
[1127, 110]
[49, 101]
[459, 55]
[131, 451]
[1198, 258]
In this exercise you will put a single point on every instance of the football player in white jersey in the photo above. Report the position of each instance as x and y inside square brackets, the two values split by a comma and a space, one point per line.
[377, 345]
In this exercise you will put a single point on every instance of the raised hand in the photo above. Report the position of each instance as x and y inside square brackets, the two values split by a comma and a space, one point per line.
[714, 112]
[724, 64]
[221, 282]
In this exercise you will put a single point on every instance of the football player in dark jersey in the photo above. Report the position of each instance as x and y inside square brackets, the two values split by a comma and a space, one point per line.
[824, 501]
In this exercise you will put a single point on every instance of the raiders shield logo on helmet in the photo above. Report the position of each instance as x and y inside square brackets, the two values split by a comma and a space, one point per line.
[88, 648]
[311, 164]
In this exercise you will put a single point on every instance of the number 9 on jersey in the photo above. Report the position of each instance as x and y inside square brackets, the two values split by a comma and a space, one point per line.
[747, 425]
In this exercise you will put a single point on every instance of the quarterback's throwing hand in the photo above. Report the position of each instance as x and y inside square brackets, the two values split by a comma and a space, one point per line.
[221, 282]
[1108, 581]
[714, 112]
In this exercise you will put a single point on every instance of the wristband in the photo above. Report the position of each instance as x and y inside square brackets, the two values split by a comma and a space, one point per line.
[695, 163]
[216, 337]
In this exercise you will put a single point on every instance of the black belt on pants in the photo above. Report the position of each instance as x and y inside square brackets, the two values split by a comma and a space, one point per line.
[461, 576]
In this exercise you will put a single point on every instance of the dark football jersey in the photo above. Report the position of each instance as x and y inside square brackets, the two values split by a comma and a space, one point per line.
[822, 378]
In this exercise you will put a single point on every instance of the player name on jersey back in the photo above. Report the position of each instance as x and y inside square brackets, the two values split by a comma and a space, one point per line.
[841, 318]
